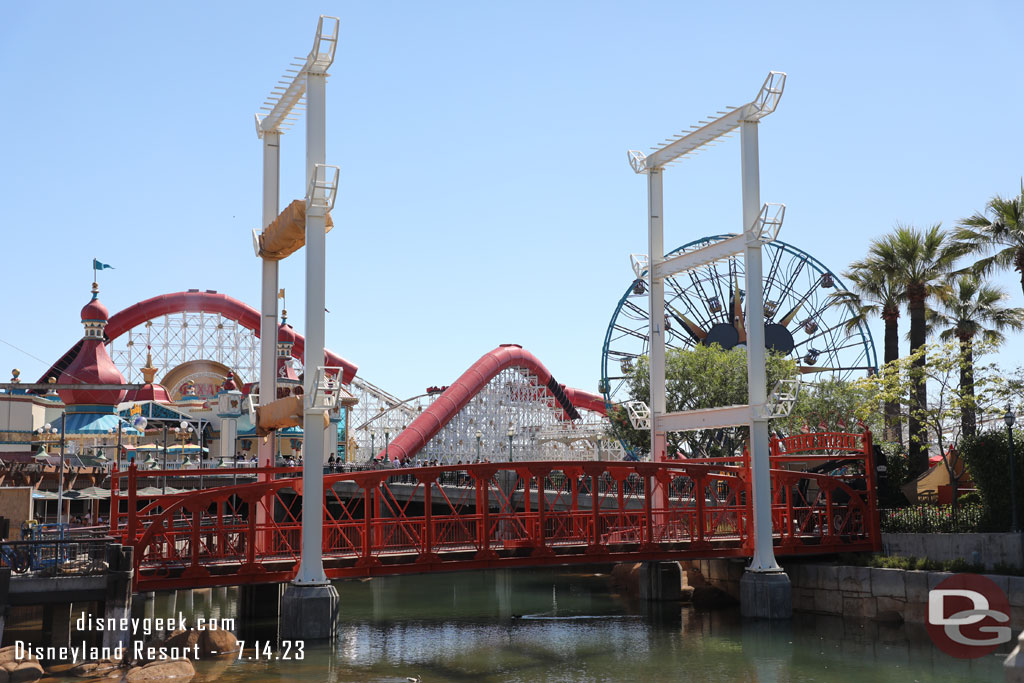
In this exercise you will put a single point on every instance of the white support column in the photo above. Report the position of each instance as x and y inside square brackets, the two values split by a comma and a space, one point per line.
[311, 568]
[268, 302]
[656, 299]
[764, 555]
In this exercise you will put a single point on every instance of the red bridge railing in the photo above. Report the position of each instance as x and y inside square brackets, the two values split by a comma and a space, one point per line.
[483, 515]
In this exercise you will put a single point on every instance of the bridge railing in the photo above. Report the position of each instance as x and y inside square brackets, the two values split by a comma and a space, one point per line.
[487, 514]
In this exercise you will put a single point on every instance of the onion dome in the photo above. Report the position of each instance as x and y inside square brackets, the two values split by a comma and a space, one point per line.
[150, 391]
[285, 333]
[95, 311]
[92, 364]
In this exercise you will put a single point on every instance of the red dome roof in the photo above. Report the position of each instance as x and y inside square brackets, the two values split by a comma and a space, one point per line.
[94, 310]
[285, 334]
[150, 392]
[92, 365]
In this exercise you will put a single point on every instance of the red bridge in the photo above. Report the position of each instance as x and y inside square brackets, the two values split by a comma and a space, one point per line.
[488, 515]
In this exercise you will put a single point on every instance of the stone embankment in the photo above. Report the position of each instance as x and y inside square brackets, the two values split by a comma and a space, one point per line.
[860, 592]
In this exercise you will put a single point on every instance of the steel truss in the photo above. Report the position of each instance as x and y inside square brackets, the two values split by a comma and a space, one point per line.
[378, 417]
[488, 515]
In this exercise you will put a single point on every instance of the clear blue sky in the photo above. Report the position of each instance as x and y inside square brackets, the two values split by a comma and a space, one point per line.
[486, 195]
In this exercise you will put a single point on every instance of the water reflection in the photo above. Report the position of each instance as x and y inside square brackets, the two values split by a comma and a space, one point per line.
[565, 625]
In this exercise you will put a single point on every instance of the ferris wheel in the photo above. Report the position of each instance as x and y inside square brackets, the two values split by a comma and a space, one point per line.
[706, 306]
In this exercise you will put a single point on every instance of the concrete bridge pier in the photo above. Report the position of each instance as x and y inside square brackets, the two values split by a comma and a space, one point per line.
[660, 581]
[259, 601]
[117, 603]
[184, 602]
[766, 595]
[57, 624]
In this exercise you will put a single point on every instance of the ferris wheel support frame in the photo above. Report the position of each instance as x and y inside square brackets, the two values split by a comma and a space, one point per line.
[755, 413]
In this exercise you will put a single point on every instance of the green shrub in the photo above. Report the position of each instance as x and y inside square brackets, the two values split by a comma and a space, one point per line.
[988, 460]
[932, 519]
[970, 498]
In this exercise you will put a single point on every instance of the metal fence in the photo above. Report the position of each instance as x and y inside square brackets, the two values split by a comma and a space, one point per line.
[77, 556]
[931, 519]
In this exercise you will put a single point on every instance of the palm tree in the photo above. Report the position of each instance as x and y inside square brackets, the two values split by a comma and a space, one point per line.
[874, 292]
[974, 309]
[1002, 235]
[922, 260]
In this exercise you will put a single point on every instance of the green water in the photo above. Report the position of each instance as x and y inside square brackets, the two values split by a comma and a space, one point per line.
[570, 626]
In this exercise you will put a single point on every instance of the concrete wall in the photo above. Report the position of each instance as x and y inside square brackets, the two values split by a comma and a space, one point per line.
[16, 505]
[884, 594]
[861, 592]
[985, 549]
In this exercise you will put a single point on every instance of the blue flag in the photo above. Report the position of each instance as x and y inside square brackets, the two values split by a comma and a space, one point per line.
[96, 265]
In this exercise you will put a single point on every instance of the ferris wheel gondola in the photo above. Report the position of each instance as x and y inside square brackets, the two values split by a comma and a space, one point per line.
[706, 306]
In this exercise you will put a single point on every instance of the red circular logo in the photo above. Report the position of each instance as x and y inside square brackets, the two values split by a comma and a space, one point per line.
[968, 616]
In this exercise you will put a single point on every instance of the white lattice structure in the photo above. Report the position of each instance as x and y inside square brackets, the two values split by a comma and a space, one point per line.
[176, 338]
[515, 399]
[377, 415]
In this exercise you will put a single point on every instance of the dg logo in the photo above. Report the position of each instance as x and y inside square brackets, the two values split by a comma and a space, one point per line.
[968, 616]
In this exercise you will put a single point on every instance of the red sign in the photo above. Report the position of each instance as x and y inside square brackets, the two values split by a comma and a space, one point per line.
[968, 616]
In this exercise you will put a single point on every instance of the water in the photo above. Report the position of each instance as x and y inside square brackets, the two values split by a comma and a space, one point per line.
[566, 625]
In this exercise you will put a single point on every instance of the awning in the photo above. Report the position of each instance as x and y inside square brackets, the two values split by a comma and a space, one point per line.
[94, 424]
[151, 491]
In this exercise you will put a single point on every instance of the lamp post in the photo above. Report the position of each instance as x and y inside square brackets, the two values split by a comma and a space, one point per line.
[511, 433]
[479, 436]
[48, 430]
[164, 485]
[387, 443]
[1009, 418]
[373, 446]
[199, 434]
[183, 430]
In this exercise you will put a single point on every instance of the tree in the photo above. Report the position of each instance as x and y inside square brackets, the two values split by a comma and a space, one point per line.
[1001, 235]
[922, 260]
[972, 309]
[941, 416]
[701, 377]
[832, 404]
[875, 291]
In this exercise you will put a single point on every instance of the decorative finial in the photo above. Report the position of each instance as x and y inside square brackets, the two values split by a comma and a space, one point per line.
[284, 315]
[15, 373]
[95, 291]
[149, 372]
